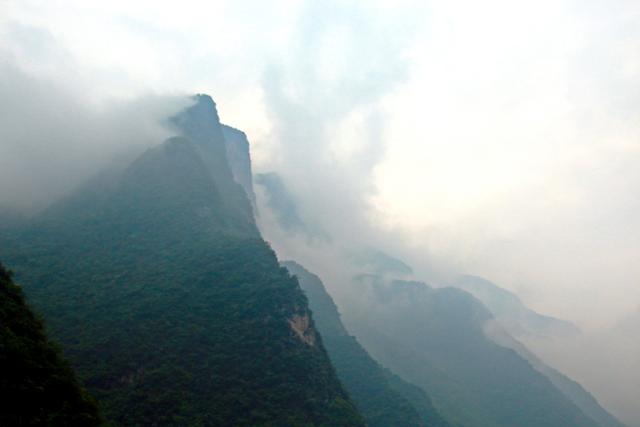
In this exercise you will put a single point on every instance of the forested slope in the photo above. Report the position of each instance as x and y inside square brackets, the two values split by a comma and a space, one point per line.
[435, 338]
[384, 399]
[37, 386]
[167, 301]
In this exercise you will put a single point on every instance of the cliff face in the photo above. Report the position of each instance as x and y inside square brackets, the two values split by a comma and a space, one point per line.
[167, 301]
[239, 158]
[201, 125]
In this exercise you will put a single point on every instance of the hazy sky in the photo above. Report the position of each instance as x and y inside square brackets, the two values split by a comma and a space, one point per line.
[498, 137]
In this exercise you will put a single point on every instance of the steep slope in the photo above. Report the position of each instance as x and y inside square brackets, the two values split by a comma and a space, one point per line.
[573, 390]
[513, 315]
[283, 205]
[384, 399]
[435, 339]
[37, 387]
[623, 336]
[418, 398]
[375, 261]
[201, 125]
[281, 202]
[237, 148]
[519, 321]
[169, 304]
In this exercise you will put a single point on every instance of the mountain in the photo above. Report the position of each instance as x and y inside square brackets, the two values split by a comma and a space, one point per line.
[201, 125]
[616, 379]
[283, 205]
[571, 389]
[515, 321]
[512, 318]
[37, 386]
[384, 399]
[375, 261]
[435, 338]
[166, 300]
[10, 218]
[239, 158]
[512, 314]
[281, 202]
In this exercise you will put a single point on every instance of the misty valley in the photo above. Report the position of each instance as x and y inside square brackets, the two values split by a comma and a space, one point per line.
[173, 286]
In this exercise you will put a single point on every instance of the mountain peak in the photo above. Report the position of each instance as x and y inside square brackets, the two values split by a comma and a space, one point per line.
[200, 122]
[204, 99]
[205, 104]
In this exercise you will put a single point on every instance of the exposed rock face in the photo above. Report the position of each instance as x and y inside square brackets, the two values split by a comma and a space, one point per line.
[301, 325]
[201, 125]
[239, 158]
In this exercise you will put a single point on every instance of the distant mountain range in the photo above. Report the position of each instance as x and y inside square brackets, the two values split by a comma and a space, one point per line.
[514, 321]
[384, 399]
[173, 311]
[512, 314]
[562, 400]
[436, 339]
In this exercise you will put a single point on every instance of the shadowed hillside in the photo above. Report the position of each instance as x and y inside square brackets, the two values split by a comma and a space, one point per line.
[37, 386]
[167, 301]
[384, 399]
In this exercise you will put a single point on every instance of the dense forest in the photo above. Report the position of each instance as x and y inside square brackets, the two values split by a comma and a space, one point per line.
[169, 305]
[37, 386]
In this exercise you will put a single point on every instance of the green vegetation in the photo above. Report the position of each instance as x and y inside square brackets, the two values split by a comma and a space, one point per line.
[571, 389]
[418, 399]
[384, 399]
[37, 387]
[170, 306]
[436, 339]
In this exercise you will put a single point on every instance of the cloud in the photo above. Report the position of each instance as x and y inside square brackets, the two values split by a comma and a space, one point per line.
[323, 100]
[55, 131]
[514, 145]
[496, 138]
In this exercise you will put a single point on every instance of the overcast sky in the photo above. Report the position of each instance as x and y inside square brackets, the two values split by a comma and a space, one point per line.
[498, 137]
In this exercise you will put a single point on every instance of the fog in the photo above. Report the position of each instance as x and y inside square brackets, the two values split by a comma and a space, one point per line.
[498, 138]
[57, 132]
[529, 181]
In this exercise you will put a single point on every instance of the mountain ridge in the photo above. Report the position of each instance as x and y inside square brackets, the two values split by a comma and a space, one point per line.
[517, 318]
[167, 301]
[384, 399]
[435, 338]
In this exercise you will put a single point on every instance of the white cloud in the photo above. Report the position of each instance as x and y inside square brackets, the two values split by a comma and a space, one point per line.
[497, 137]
